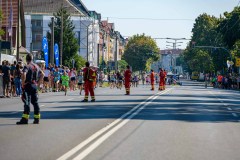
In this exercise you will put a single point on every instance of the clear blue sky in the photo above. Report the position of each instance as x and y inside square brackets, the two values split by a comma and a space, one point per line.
[158, 9]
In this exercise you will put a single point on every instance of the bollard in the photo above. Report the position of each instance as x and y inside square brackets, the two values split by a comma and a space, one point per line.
[1, 86]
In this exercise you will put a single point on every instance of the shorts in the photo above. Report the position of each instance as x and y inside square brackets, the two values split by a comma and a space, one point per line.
[80, 84]
[56, 80]
[73, 78]
[12, 82]
[6, 83]
[65, 83]
[46, 79]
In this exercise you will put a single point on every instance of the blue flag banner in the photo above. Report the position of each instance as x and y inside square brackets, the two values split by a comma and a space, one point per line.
[56, 54]
[45, 50]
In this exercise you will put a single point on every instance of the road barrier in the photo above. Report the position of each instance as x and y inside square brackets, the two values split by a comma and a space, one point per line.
[1, 86]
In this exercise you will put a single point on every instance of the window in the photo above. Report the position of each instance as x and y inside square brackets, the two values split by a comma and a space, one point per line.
[38, 23]
[38, 37]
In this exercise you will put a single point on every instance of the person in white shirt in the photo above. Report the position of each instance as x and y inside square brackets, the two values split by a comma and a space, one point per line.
[46, 78]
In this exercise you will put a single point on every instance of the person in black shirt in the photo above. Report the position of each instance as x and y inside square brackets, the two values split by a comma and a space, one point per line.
[6, 79]
[29, 85]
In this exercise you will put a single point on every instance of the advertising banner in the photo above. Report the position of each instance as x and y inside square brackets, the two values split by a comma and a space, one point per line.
[45, 50]
[56, 54]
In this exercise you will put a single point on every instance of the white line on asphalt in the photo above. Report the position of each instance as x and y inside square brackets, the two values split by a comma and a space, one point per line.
[230, 109]
[70, 99]
[42, 105]
[112, 131]
[124, 120]
[234, 114]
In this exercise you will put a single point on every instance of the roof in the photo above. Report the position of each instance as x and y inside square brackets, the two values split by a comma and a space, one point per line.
[51, 6]
[80, 5]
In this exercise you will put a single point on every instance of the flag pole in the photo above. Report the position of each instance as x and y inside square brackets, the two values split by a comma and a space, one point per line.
[18, 32]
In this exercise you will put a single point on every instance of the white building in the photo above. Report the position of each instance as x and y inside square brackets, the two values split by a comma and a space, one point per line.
[38, 16]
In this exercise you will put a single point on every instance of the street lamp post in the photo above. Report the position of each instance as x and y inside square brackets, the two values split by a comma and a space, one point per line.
[52, 43]
[116, 51]
[174, 48]
[61, 37]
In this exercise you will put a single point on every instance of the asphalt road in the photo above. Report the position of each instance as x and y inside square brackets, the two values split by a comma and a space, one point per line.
[185, 122]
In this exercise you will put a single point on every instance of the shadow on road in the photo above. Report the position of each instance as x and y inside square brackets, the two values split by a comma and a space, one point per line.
[201, 108]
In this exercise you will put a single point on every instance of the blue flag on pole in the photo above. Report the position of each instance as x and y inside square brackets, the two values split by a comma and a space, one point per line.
[45, 50]
[56, 53]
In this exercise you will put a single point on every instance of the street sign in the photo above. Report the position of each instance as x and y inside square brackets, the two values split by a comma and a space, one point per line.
[237, 62]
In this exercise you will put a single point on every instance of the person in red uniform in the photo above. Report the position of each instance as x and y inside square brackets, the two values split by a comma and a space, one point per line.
[162, 80]
[152, 78]
[88, 75]
[127, 77]
[165, 79]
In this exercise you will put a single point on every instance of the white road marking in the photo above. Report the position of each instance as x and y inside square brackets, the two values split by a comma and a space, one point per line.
[120, 121]
[234, 114]
[230, 109]
[225, 104]
[70, 99]
[42, 105]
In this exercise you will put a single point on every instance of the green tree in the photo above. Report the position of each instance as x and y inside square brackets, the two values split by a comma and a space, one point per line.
[140, 52]
[70, 43]
[1, 31]
[205, 31]
[122, 64]
[79, 62]
[229, 27]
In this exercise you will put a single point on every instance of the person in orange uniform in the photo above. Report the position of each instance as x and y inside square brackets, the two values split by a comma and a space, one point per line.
[162, 80]
[152, 79]
[127, 77]
[88, 75]
[95, 78]
[165, 79]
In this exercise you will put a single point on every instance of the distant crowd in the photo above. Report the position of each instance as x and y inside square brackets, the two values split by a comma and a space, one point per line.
[228, 81]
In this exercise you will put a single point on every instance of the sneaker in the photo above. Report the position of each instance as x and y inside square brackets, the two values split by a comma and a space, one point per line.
[22, 121]
[93, 100]
[85, 100]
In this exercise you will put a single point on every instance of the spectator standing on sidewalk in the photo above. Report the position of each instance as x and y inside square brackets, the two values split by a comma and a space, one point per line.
[17, 80]
[13, 87]
[6, 79]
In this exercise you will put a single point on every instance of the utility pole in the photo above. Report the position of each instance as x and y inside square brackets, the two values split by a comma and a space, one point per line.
[98, 54]
[103, 45]
[18, 30]
[116, 51]
[87, 44]
[52, 43]
[61, 37]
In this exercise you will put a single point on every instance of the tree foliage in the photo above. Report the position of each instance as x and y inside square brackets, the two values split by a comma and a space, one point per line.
[122, 64]
[220, 35]
[79, 62]
[1, 17]
[229, 27]
[70, 43]
[140, 52]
